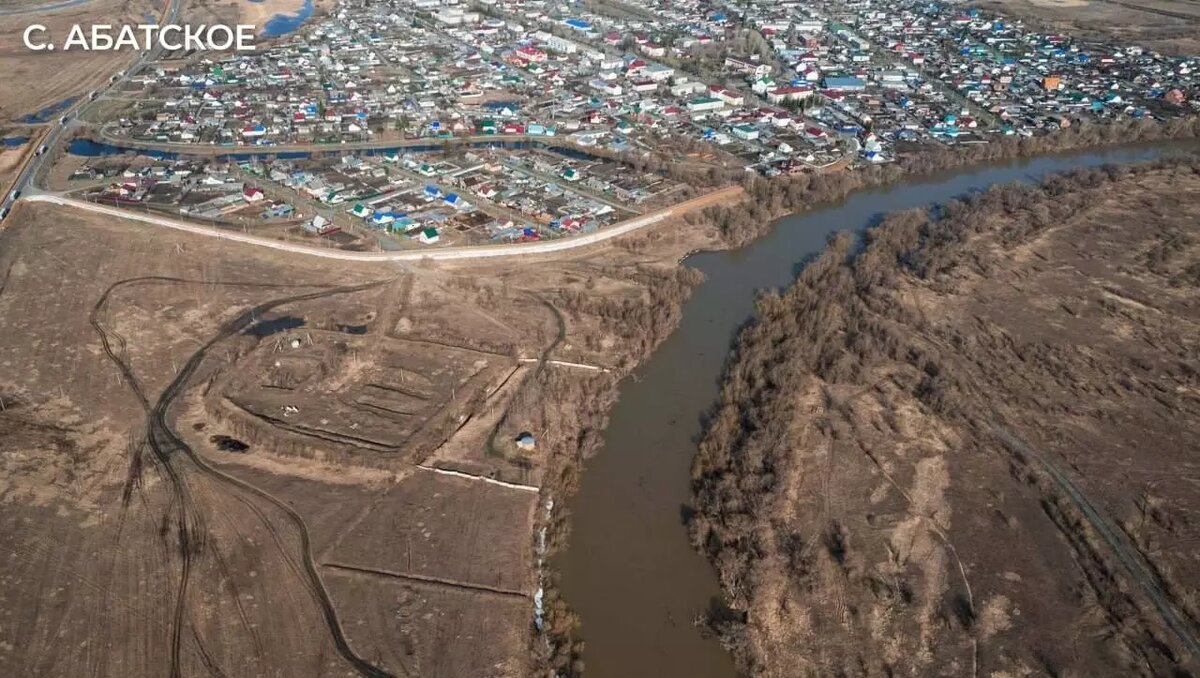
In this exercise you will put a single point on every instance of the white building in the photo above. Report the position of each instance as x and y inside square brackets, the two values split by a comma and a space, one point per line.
[556, 43]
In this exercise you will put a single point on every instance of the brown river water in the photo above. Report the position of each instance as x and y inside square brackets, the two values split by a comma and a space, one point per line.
[629, 570]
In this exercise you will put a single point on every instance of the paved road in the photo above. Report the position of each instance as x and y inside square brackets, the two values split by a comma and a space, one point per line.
[443, 254]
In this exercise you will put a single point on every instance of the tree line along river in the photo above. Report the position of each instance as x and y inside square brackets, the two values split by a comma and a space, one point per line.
[629, 569]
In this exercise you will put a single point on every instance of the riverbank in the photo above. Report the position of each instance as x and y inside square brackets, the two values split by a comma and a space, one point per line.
[897, 413]
[629, 570]
[350, 383]
[770, 199]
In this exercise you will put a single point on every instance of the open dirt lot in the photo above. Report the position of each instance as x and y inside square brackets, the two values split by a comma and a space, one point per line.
[230, 461]
[972, 448]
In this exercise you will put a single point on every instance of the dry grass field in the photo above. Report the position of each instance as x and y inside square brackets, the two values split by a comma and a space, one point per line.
[1170, 26]
[11, 159]
[225, 460]
[34, 81]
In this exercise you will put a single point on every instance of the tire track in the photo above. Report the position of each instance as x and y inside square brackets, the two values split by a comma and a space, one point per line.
[188, 524]
[167, 445]
[490, 445]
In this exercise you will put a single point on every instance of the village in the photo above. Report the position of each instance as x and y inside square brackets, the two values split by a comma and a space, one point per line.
[390, 199]
[536, 86]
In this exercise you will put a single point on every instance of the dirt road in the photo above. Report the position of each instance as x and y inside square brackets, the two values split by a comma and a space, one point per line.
[450, 253]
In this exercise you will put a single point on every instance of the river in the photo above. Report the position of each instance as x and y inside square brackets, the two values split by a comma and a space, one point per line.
[629, 570]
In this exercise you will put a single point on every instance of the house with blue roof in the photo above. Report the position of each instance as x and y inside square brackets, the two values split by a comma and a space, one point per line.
[844, 83]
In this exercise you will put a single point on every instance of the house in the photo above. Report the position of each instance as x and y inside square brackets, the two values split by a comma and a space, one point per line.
[845, 83]
[729, 96]
[762, 85]
[606, 87]
[702, 104]
[745, 132]
[382, 218]
[319, 225]
[278, 210]
[654, 50]
[658, 72]
[791, 93]
[428, 236]
[578, 25]
[683, 89]
[531, 54]
[556, 43]
[747, 67]
[252, 194]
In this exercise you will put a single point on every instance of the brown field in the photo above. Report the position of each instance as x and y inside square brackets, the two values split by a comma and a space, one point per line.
[34, 80]
[433, 525]
[136, 542]
[976, 453]
[437, 631]
[1169, 26]
[11, 161]
[246, 12]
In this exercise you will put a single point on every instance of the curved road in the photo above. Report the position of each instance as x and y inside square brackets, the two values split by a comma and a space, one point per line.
[444, 254]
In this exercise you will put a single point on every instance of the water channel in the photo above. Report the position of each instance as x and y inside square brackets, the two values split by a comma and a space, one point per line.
[629, 570]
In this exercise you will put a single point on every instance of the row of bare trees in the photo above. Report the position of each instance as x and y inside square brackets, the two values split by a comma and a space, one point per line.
[770, 199]
[837, 321]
